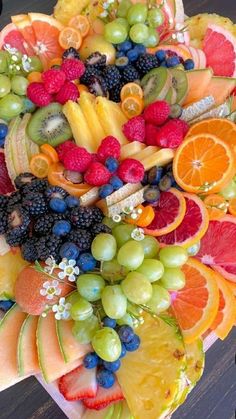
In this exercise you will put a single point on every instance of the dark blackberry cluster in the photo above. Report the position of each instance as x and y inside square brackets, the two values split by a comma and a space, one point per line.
[112, 76]
[82, 217]
[35, 203]
[130, 74]
[55, 192]
[38, 185]
[45, 223]
[47, 246]
[96, 60]
[3, 221]
[18, 226]
[29, 249]
[97, 86]
[90, 72]
[24, 179]
[3, 202]
[71, 53]
[14, 200]
[145, 63]
[114, 94]
[100, 228]
[82, 238]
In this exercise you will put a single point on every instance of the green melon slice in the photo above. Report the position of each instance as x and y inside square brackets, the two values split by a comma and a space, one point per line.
[198, 81]
[220, 88]
[71, 349]
[27, 356]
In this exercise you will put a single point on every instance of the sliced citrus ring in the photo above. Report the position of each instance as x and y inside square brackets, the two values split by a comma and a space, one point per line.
[232, 206]
[39, 165]
[131, 89]
[216, 206]
[132, 106]
[146, 217]
[226, 316]
[195, 306]
[81, 24]
[49, 151]
[55, 61]
[232, 286]
[35, 76]
[169, 213]
[70, 38]
[193, 226]
[203, 164]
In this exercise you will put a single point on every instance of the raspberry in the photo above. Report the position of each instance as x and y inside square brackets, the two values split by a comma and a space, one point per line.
[157, 112]
[63, 148]
[97, 174]
[150, 134]
[68, 91]
[78, 159]
[53, 80]
[109, 147]
[73, 68]
[131, 171]
[37, 93]
[134, 129]
[183, 124]
[170, 135]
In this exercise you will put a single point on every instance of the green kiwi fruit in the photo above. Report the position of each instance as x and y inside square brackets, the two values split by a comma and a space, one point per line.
[156, 84]
[171, 96]
[180, 83]
[49, 125]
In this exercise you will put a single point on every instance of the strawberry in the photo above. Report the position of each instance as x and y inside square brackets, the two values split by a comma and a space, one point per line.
[79, 384]
[104, 397]
[5, 182]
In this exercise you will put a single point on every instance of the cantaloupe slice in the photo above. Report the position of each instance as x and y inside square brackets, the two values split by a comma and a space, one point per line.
[220, 88]
[198, 81]
[71, 349]
[27, 356]
[10, 327]
[51, 362]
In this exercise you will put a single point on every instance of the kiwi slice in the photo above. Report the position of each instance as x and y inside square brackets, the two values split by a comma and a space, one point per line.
[180, 83]
[49, 125]
[171, 96]
[156, 84]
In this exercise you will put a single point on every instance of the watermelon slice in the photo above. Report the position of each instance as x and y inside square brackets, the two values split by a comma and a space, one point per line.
[10, 35]
[5, 182]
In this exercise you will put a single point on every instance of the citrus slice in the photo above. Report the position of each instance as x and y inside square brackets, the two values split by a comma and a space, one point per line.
[81, 24]
[203, 163]
[39, 165]
[55, 61]
[232, 206]
[35, 76]
[232, 286]
[216, 206]
[131, 89]
[193, 226]
[49, 151]
[169, 213]
[226, 316]
[132, 106]
[70, 38]
[195, 306]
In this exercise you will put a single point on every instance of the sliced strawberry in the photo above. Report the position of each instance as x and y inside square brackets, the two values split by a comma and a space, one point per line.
[79, 384]
[104, 397]
[5, 182]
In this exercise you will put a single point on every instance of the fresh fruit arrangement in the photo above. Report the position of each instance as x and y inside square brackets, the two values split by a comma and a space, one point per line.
[117, 201]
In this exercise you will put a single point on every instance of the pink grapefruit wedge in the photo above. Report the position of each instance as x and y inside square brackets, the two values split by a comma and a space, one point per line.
[11, 36]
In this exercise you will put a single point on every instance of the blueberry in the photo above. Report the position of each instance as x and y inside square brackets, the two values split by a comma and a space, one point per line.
[133, 345]
[163, 64]
[141, 49]
[151, 195]
[105, 191]
[161, 55]
[72, 201]
[172, 61]
[123, 350]
[112, 366]
[154, 175]
[58, 205]
[116, 182]
[61, 228]
[69, 251]
[112, 164]
[145, 179]
[125, 333]
[3, 131]
[124, 46]
[165, 183]
[105, 378]
[5, 305]
[86, 262]
[122, 62]
[91, 360]
[120, 54]
[132, 55]
[189, 64]
[108, 322]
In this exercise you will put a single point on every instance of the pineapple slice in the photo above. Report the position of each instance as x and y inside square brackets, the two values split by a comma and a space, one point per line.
[146, 152]
[159, 158]
[86, 102]
[111, 118]
[66, 9]
[129, 150]
[150, 377]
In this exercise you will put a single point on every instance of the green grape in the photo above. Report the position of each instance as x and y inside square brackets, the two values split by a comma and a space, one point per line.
[4, 59]
[124, 22]
[173, 279]
[137, 288]
[115, 32]
[150, 247]
[160, 300]
[84, 331]
[90, 286]
[229, 191]
[19, 85]
[35, 64]
[112, 271]
[173, 256]
[153, 38]
[152, 269]
[137, 13]
[5, 85]
[139, 33]
[72, 297]
[122, 233]
[10, 106]
[28, 106]
[133, 309]
[123, 8]
[104, 247]
[194, 249]
[109, 222]
[114, 301]
[126, 319]
[81, 309]
[131, 255]
[155, 17]
[106, 343]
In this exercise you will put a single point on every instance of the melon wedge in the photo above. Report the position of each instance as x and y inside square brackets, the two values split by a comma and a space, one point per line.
[71, 349]
[27, 356]
[198, 81]
[220, 88]
[51, 362]
[10, 327]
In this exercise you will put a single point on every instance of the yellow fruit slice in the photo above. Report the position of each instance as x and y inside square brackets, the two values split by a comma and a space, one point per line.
[159, 158]
[146, 152]
[66, 9]
[129, 150]
[86, 102]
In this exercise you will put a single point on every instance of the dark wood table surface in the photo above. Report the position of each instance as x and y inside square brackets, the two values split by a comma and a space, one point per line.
[215, 395]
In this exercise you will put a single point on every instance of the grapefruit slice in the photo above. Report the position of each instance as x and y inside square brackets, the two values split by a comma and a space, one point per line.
[226, 316]
[195, 306]
[27, 31]
[193, 225]
[10, 35]
[219, 46]
[169, 213]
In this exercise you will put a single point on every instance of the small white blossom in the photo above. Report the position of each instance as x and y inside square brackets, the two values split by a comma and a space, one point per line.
[10, 49]
[138, 234]
[105, 5]
[69, 269]
[51, 265]
[128, 210]
[26, 63]
[116, 218]
[110, 1]
[50, 289]
[104, 14]
[180, 37]
[62, 309]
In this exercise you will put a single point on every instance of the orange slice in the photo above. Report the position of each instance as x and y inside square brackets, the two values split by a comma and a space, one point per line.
[232, 206]
[70, 38]
[35, 76]
[131, 89]
[203, 164]
[81, 24]
[146, 217]
[216, 206]
[226, 316]
[39, 165]
[49, 151]
[132, 106]
[195, 306]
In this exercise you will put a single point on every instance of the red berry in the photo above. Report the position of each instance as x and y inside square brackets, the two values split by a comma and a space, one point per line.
[183, 124]
[109, 147]
[157, 112]
[134, 129]
[53, 80]
[68, 91]
[63, 148]
[170, 135]
[77, 159]
[131, 171]
[150, 134]
[37, 93]
[5, 181]
[73, 68]
[97, 174]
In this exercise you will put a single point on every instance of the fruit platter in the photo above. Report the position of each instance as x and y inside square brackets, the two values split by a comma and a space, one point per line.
[117, 202]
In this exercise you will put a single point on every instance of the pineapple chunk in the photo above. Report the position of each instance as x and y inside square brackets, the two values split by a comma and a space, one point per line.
[86, 102]
[160, 158]
[129, 150]
[111, 118]
[66, 9]
[146, 152]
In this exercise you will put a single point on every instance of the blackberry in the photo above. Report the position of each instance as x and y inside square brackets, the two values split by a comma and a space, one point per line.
[14, 239]
[37, 185]
[35, 203]
[55, 192]
[100, 228]
[89, 72]
[82, 217]
[3, 222]
[130, 74]
[97, 215]
[97, 60]
[145, 63]
[49, 246]
[82, 238]
[71, 53]
[14, 200]
[18, 221]
[29, 250]
[3, 202]
[43, 225]
[114, 94]
[24, 179]
[97, 86]
[112, 76]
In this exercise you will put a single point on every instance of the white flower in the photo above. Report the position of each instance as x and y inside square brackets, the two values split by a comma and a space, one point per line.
[26, 63]
[50, 289]
[105, 5]
[137, 234]
[51, 265]
[62, 309]
[104, 14]
[116, 218]
[68, 270]
[180, 37]
[10, 49]
[128, 210]
[110, 1]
